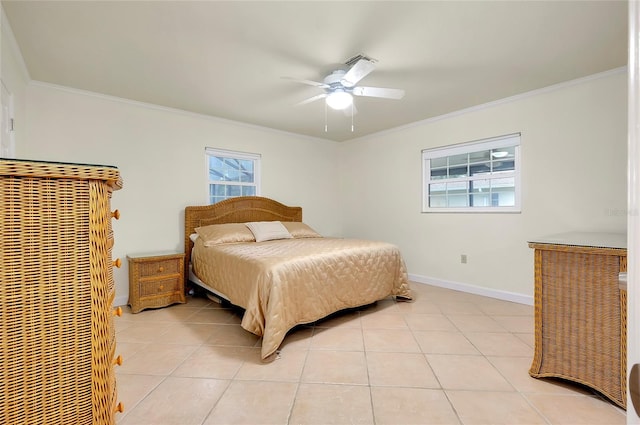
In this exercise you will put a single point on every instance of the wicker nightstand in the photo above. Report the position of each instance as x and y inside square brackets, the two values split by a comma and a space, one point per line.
[155, 280]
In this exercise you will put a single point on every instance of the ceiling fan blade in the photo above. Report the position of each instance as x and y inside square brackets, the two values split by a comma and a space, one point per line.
[308, 82]
[378, 92]
[312, 99]
[361, 69]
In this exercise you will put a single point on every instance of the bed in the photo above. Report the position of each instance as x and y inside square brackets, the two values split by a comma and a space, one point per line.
[292, 277]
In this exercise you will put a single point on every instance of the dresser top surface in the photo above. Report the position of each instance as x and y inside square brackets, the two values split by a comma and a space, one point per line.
[20, 168]
[589, 239]
[155, 255]
[43, 162]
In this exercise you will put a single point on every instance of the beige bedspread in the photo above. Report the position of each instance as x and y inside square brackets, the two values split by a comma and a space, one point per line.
[288, 282]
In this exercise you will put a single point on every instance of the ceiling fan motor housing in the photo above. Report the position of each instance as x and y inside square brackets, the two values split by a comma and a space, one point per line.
[334, 80]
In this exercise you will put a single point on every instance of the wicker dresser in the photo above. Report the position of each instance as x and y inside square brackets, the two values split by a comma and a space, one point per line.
[57, 340]
[581, 311]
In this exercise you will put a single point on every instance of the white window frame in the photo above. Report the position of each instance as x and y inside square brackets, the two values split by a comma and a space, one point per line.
[256, 158]
[506, 141]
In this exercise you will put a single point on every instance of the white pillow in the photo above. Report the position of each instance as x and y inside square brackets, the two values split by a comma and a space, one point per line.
[268, 230]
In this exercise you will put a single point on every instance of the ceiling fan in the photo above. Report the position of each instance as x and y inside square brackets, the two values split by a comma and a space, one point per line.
[341, 85]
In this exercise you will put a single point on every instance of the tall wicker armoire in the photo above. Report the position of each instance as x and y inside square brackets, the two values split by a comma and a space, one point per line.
[57, 340]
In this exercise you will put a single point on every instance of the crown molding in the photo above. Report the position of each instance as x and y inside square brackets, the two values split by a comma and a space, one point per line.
[152, 106]
[460, 112]
[499, 102]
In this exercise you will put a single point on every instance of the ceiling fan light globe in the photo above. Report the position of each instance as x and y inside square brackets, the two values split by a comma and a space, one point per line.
[339, 100]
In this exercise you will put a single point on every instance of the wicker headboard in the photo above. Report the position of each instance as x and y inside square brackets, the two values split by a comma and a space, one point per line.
[242, 209]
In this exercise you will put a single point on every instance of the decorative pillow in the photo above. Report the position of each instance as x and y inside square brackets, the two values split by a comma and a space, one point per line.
[268, 230]
[215, 234]
[300, 230]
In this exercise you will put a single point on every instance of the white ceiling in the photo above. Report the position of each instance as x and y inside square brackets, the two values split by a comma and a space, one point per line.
[227, 58]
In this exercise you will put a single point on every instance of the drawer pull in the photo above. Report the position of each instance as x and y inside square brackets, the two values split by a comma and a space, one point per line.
[160, 288]
[117, 311]
[118, 360]
[161, 269]
[117, 263]
[116, 214]
[120, 408]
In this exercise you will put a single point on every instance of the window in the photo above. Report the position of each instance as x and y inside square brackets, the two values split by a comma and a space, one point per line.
[480, 176]
[232, 174]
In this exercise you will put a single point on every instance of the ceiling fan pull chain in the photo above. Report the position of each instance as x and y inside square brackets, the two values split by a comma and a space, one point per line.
[326, 127]
[352, 117]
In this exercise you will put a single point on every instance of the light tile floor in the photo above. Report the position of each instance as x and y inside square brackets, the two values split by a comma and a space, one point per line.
[446, 358]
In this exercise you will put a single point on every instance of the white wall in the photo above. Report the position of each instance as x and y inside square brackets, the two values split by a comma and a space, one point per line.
[161, 156]
[574, 143]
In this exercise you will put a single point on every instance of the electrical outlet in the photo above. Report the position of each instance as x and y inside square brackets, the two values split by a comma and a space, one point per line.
[463, 258]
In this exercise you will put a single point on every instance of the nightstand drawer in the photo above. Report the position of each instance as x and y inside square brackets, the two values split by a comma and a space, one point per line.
[158, 268]
[155, 287]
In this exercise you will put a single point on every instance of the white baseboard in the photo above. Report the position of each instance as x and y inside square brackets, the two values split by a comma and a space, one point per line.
[473, 289]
